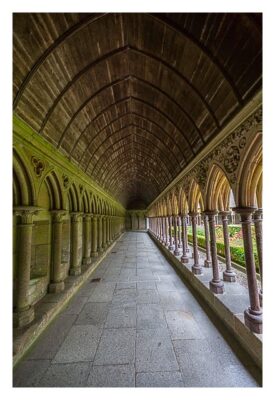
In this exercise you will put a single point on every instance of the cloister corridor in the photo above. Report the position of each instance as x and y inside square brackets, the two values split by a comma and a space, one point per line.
[137, 181]
[138, 326]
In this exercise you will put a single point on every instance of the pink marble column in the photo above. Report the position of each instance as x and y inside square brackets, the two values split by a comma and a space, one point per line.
[216, 284]
[196, 268]
[228, 275]
[171, 247]
[184, 257]
[252, 315]
[166, 231]
[175, 220]
[258, 220]
[207, 261]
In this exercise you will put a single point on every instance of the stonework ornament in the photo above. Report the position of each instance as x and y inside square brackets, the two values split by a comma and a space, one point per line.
[66, 181]
[39, 166]
[232, 158]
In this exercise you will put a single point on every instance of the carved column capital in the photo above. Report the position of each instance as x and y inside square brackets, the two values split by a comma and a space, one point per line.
[76, 216]
[258, 215]
[57, 215]
[245, 213]
[26, 213]
[87, 216]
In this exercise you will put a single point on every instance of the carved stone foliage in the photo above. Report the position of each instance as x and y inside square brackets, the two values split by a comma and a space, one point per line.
[226, 154]
[66, 181]
[38, 166]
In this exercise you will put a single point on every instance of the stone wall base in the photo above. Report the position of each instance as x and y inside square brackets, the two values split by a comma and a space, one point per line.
[24, 339]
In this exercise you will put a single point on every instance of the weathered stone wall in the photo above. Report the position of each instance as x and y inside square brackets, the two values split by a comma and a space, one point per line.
[46, 181]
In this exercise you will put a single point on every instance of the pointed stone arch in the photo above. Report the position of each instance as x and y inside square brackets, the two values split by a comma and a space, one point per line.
[249, 182]
[195, 198]
[54, 190]
[217, 193]
[23, 189]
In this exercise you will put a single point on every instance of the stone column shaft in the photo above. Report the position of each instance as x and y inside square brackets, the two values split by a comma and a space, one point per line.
[258, 220]
[75, 262]
[184, 257]
[56, 279]
[216, 285]
[171, 247]
[207, 261]
[253, 315]
[228, 275]
[176, 251]
[196, 268]
[24, 311]
[86, 239]
[94, 252]
[99, 241]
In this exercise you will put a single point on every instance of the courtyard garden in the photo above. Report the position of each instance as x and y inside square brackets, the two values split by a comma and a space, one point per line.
[235, 240]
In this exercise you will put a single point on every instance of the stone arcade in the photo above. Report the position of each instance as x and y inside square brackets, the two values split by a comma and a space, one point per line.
[128, 130]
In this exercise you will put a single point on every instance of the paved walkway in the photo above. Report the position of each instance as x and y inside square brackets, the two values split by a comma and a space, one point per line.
[138, 326]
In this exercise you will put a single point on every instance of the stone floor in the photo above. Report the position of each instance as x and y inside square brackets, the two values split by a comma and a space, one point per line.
[138, 325]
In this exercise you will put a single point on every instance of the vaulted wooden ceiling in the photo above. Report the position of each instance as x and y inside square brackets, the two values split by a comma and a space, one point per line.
[132, 98]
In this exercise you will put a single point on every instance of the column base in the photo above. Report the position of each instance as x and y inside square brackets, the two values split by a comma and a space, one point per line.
[253, 320]
[94, 254]
[23, 318]
[176, 253]
[184, 259]
[56, 287]
[171, 248]
[180, 246]
[75, 271]
[207, 263]
[229, 276]
[216, 287]
[86, 261]
[196, 269]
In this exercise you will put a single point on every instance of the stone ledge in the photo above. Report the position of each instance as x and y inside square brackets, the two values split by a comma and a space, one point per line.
[234, 322]
[46, 311]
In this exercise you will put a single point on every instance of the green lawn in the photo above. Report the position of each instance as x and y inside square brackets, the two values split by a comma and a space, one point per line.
[235, 239]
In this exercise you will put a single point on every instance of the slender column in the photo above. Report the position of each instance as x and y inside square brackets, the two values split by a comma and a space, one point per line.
[57, 284]
[258, 220]
[109, 241]
[171, 247]
[94, 252]
[99, 228]
[75, 268]
[24, 311]
[163, 230]
[186, 233]
[166, 231]
[216, 285]
[104, 244]
[207, 261]
[179, 232]
[86, 239]
[228, 275]
[184, 257]
[253, 315]
[196, 268]
[176, 251]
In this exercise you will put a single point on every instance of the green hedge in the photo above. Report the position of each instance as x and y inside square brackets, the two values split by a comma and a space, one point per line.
[237, 253]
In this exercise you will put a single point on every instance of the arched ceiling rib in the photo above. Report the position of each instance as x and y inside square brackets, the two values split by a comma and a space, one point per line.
[132, 98]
